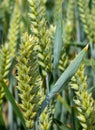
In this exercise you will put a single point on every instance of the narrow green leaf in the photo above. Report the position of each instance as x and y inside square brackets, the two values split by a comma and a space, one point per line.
[64, 78]
[15, 107]
[2, 124]
[64, 102]
[60, 125]
[58, 41]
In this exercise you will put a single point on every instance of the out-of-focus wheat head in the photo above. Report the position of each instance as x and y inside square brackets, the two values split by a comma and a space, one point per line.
[84, 102]
[87, 16]
[45, 120]
[5, 63]
[14, 30]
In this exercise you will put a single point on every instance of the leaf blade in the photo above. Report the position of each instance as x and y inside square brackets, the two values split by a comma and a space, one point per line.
[15, 107]
[64, 78]
[58, 41]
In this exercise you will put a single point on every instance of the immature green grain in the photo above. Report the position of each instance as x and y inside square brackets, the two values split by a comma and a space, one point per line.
[29, 80]
[84, 102]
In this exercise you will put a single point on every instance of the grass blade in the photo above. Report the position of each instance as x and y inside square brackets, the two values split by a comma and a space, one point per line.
[64, 102]
[15, 107]
[64, 78]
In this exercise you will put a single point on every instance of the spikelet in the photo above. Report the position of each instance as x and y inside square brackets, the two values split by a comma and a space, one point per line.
[4, 67]
[83, 100]
[14, 30]
[63, 62]
[1, 95]
[39, 30]
[29, 80]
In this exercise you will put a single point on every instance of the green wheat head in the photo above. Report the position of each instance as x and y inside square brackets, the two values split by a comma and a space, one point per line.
[37, 15]
[4, 67]
[39, 30]
[84, 102]
[29, 80]
[7, 51]
[69, 22]
[87, 16]
[14, 30]
[45, 120]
